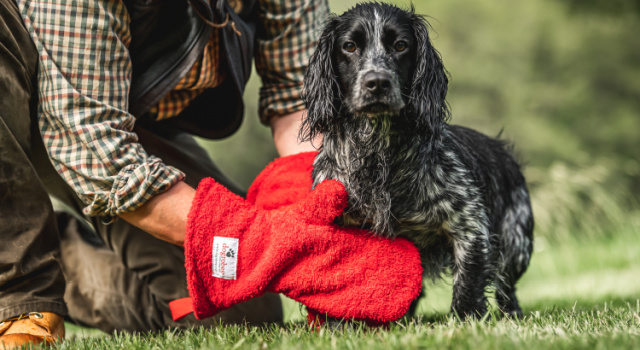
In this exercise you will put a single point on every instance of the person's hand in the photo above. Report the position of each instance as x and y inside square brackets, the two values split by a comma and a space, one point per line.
[235, 251]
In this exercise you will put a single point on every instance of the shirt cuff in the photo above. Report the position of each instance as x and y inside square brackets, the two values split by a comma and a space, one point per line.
[280, 99]
[133, 186]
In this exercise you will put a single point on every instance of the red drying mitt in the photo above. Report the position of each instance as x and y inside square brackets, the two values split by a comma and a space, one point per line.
[235, 252]
[283, 182]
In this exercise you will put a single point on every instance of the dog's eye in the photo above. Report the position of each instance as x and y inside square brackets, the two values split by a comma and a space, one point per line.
[400, 45]
[349, 46]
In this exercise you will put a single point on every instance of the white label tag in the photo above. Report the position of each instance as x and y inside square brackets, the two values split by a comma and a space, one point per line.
[224, 257]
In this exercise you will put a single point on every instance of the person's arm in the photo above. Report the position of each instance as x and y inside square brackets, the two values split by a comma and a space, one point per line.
[285, 131]
[165, 215]
[83, 118]
[287, 39]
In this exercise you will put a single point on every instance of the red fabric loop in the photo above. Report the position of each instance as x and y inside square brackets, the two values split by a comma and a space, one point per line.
[180, 308]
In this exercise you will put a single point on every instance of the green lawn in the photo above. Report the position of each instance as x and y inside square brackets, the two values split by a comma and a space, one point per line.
[575, 295]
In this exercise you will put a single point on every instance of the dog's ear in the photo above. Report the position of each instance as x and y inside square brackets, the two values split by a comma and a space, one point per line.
[430, 81]
[321, 91]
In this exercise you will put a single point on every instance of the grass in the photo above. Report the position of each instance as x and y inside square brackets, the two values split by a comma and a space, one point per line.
[615, 328]
[576, 294]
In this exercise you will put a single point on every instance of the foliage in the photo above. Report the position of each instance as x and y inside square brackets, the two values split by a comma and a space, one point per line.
[604, 7]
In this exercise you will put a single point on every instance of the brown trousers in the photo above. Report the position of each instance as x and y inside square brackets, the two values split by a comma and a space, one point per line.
[111, 277]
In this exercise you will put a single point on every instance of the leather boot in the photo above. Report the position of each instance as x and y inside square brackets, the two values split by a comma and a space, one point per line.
[34, 327]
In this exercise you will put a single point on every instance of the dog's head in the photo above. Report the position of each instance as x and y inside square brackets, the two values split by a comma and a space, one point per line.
[375, 61]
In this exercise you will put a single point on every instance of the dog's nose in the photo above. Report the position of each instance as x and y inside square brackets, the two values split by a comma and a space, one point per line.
[377, 82]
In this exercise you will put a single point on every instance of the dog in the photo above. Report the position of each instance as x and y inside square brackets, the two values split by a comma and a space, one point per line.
[375, 90]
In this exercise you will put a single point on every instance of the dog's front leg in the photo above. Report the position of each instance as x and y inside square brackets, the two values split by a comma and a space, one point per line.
[471, 274]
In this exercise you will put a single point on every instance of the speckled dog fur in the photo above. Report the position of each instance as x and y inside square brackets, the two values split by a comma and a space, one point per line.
[375, 90]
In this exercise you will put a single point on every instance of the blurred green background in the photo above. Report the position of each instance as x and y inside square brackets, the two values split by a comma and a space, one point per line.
[560, 77]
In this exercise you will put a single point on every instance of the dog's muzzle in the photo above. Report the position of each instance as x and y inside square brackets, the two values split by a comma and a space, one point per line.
[379, 94]
[377, 83]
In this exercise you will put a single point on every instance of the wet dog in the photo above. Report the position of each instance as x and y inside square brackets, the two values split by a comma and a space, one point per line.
[375, 89]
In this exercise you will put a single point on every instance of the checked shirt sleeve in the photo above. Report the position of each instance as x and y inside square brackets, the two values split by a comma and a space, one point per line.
[83, 83]
[289, 36]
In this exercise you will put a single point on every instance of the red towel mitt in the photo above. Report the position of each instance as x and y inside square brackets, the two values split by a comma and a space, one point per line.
[283, 182]
[235, 252]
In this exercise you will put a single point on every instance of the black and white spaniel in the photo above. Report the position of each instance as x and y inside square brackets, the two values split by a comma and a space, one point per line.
[375, 89]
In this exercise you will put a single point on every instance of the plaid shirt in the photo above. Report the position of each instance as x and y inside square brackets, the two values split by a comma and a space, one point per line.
[84, 79]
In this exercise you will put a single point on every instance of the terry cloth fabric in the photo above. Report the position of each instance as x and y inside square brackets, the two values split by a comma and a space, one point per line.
[295, 250]
[283, 182]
